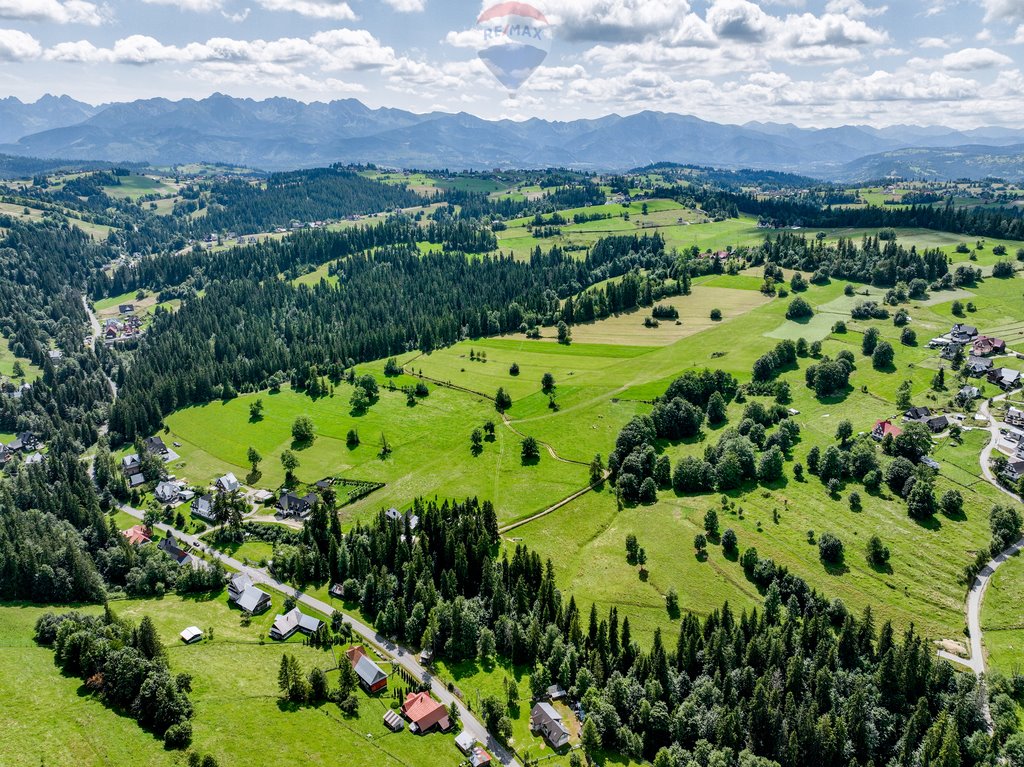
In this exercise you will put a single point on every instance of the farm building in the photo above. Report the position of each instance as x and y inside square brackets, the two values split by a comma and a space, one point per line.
[465, 741]
[191, 634]
[292, 621]
[393, 721]
[371, 676]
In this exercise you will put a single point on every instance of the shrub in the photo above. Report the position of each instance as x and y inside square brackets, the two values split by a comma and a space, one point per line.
[877, 552]
[830, 548]
[716, 315]
[883, 356]
[729, 541]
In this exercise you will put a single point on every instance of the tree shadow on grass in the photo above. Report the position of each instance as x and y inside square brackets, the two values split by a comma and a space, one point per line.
[836, 568]
[302, 444]
[883, 569]
[928, 523]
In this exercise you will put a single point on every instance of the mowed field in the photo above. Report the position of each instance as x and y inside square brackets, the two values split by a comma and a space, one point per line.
[239, 717]
[430, 442]
[1002, 618]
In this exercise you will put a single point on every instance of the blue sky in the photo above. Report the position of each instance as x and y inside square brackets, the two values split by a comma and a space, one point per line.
[809, 62]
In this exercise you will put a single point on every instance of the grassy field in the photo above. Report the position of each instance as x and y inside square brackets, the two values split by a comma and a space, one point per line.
[431, 449]
[1002, 618]
[134, 187]
[238, 713]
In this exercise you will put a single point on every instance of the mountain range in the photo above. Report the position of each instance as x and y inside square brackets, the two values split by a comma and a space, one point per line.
[280, 133]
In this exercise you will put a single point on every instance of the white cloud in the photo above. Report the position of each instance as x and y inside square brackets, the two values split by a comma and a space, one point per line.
[932, 42]
[614, 20]
[408, 6]
[970, 59]
[238, 17]
[739, 20]
[18, 46]
[855, 9]
[996, 10]
[54, 11]
[198, 6]
[1019, 37]
[314, 9]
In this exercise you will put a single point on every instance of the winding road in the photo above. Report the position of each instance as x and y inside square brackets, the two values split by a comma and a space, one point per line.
[394, 653]
[976, 594]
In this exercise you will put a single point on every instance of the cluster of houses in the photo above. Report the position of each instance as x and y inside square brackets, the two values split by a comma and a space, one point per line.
[131, 465]
[124, 328]
[203, 506]
[980, 348]
[25, 443]
[140, 535]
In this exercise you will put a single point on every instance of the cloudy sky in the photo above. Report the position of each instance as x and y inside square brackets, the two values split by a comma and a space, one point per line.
[809, 62]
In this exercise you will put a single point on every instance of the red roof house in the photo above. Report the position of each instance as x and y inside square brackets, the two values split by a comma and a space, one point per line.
[137, 535]
[885, 428]
[424, 713]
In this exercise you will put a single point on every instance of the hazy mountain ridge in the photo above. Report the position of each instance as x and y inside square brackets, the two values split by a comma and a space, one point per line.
[281, 133]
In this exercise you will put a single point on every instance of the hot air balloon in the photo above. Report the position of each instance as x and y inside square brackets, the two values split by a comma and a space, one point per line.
[516, 40]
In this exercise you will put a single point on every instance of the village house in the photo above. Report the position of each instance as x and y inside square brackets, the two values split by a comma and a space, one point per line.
[963, 334]
[246, 596]
[34, 459]
[1014, 470]
[918, 414]
[1014, 417]
[371, 677]
[1005, 378]
[984, 346]
[136, 480]
[292, 621]
[424, 713]
[950, 351]
[291, 505]
[131, 464]
[883, 429]
[170, 547]
[155, 445]
[228, 483]
[138, 535]
[24, 442]
[126, 308]
[479, 757]
[968, 394]
[977, 366]
[394, 515]
[167, 492]
[202, 507]
[937, 423]
[544, 719]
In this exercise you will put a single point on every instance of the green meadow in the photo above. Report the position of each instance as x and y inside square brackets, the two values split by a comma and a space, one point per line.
[239, 716]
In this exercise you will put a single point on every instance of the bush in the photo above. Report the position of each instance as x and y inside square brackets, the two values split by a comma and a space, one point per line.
[799, 309]
[716, 315]
[883, 356]
[830, 548]
[729, 541]
[178, 735]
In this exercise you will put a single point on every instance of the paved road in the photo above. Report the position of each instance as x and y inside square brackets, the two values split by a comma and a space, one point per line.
[97, 335]
[394, 653]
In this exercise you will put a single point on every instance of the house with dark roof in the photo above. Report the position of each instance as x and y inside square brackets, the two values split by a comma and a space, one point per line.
[155, 445]
[949, 351]
[136, 480]
[977, 366]
[1005, 378]
[170, 547]
[963, 334]
[26, 442]
[424, 713]
[292, 621]
[291, 505]
[546, 721]
[371, 676]
[883, 429]
[937, 423]
[1014, 470]
[917, 414]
